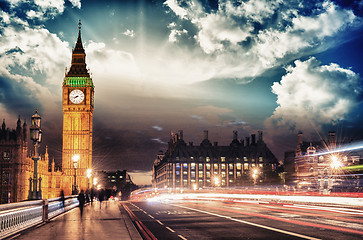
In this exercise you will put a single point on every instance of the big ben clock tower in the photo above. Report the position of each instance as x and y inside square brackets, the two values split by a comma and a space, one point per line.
[78, 101]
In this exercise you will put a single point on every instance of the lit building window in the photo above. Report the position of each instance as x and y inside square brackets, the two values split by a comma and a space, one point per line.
[239, 166]
[230, 173]
[215, 166]
[245, 166]
[260, 159]
[260, 165]
[185, 173]
[231, 180]
[238, 174]
[207, 159]
[192, 166]
[223, 166]
[192, 174]
[177, 165]
[207, 166]
[200, 166]
[185, 165]
[223, 159]
[223, 174]
[200, 174]
[207, 174]
[245, 159]
[230, 166]
[177, 172]
[177, 158]
[238, 159]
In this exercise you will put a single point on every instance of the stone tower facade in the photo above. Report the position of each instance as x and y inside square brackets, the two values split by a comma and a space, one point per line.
[78, 103]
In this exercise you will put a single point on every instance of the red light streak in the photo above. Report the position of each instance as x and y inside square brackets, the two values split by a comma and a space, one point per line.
[301, 223]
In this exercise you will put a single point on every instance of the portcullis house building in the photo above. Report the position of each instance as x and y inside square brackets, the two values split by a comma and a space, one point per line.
[243, 162]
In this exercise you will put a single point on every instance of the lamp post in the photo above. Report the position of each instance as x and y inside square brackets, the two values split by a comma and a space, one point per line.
[75, 159]
[255, 175]
[89, 175]
[36, 136]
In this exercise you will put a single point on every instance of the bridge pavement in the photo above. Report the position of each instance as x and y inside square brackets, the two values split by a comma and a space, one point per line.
[108, 222]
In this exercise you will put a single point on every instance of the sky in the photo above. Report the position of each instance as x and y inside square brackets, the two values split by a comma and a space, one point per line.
[160, 66]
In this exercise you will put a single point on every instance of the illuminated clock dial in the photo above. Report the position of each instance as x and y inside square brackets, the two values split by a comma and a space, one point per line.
[76, 96]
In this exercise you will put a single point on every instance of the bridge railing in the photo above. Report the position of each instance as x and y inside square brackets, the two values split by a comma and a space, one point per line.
[16, 217]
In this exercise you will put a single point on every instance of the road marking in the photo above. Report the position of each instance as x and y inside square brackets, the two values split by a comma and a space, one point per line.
[171, 230]
[182, 237]
[151, 216]
[159, 222]
[252, 224]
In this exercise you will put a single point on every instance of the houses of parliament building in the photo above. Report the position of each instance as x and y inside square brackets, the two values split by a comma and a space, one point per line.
[17, 165]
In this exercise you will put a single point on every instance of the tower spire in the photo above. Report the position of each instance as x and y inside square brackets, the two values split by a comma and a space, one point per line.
[78, 67]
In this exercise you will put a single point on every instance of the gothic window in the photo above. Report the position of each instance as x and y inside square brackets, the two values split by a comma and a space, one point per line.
[6, 156]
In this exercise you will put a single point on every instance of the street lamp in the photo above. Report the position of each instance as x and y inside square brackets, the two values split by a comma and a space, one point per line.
[36, 137]
[89, 175]
[255, 175]
[75, 159]
[217, 181]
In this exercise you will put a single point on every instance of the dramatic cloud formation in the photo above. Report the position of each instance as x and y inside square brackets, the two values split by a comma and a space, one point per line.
[246, 38]
[311, 94]
[29, 69]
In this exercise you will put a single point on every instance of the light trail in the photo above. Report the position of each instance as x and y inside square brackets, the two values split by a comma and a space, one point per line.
[346, 148]
[297, 222]
[250, 223]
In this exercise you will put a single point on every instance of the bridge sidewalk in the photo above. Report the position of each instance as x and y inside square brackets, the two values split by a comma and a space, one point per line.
[108, 222]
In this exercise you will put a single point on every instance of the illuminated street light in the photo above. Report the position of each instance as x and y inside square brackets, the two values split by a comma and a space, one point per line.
[195, 187]
[217, 181]
[255, 174]
[95, 181]
[75, 160]
[36, 137]
[335, 162]
[89, 175]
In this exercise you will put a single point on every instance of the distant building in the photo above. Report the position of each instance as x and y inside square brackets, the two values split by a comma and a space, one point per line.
[16, 167]
[207, 165]
[322, 164]
[119, 183]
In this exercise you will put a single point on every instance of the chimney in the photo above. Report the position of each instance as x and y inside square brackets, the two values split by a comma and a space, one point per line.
[205, 135]
[247, 141]
[253, 139]
[299, 138]
[260, 136]
[235, 135]
[180, 133]
[215, 144]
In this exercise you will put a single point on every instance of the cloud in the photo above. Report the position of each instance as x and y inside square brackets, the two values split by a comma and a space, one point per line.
[242, 40]
[311, 94]
[157, 128]
[179, 11]
[129, 33]
[29, 65]
[158, 140]
[76, 3]
[175, 33]
[199, 118]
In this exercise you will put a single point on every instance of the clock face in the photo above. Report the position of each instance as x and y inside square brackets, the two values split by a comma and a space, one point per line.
[76, 96]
